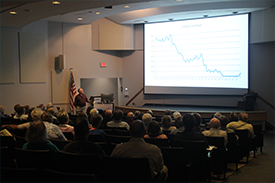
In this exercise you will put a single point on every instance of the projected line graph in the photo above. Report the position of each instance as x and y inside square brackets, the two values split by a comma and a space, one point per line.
[191, 63]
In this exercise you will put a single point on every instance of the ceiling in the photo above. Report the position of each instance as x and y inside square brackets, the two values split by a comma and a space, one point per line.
[139, 11]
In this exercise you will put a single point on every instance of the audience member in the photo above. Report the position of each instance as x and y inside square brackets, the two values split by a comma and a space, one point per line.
[52, 112]
[49, 105]
[179, 124]
[2, 112]
[138, 115]
[151, 112]
[36, 138]
[80, 144]
[137, 147]
[154, 131]
[95, 121]
[108, 116]
[82, 115]
[224, 121]
[197, 128]
[168, 112]
[93, 112]
[166, 123]
[20, 113]
[63, 119]
[47, 117]
[216, 115]
[29, 114]
[215, 130]
[89, 108]
[242, 125]
[130, 117]
[188, 134]
[146, 119]
[41, 106]
[117, 120]
[233, 117]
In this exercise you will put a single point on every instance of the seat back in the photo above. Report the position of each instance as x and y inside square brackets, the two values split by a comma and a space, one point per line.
[78, 163]
[244, 143]
[196, 159]
[8, 141]
[57, 176]
[174, 159]
[7, 159]
[95, 138]
[20, 141]
[126, 169]
[60, 144]
[20, 175]
[69, 135]
[39, 159]
[117, 139]
[158, 142]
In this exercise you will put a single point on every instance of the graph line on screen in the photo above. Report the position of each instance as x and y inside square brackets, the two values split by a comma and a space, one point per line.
[198, 57]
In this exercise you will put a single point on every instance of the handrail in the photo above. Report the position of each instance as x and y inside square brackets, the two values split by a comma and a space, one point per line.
[134, 96]
[262, 99]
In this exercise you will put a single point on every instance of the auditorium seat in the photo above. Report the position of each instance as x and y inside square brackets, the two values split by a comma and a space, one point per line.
[117, 139]
[20, 141]
[259, 137]
[95, 138]
[126, 169]
[60, 144]
[174, 160]
[158, 142]
[38, 159]
[20, 175]
[232, 149]
[218, 155]
[7, 159]
[244, 144]
[59, 176]
[78, 163]
[68, 135]
[8, 141]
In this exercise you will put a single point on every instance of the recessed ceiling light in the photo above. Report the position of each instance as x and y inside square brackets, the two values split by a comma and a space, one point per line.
[205, 15]
[28, 11]
[126, 6]
[79, 18]
[170, 19]
[13, 12]
[234, 12]
[97, 12]
[179, 0]
[145, 21]
[56, 2]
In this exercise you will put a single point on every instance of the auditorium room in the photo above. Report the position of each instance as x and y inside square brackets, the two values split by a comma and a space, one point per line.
[137, 91]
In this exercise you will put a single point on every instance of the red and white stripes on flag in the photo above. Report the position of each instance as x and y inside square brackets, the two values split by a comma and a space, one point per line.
[72, 92]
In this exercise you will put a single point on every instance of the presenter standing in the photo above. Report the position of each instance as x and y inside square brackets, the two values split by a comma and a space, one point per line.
[80, 101]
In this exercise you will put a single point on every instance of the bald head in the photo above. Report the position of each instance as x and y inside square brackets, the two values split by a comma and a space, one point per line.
[137, 129]
[130, 115]
[214, 123]
[108, 112]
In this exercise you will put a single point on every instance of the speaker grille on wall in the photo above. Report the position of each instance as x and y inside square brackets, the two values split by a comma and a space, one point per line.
[59, 62]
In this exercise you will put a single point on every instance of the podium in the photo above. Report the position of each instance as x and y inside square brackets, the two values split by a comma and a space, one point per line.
[104, 106]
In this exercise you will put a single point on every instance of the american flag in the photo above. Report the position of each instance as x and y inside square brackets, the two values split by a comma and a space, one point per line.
[72, 92]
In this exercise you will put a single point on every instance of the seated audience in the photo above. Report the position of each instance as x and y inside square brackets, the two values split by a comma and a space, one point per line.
[80, 144]
[179, 125]
[166, 123]
[137, 147]
[117, 120]
[41, 106]
[130, 117]
[53, 131]
[154, 131]
[63, 119]
[95, 121]
[224, 121]
[215, 130]
[89, 108]
[82, 115]
[242, 125]
[36, 138]
[146, 119]
[188, 134]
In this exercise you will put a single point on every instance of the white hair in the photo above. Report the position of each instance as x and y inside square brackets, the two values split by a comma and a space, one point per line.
[146, 118]
[93, 111]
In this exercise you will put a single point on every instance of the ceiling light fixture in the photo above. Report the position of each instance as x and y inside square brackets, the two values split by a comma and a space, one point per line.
[97, 13]
[170, 19]
[79, 18]
[126, 6]
[234, 12]
[56, 2]
[205, 15]
[13, 12]
[108, 7]
[179, 0]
